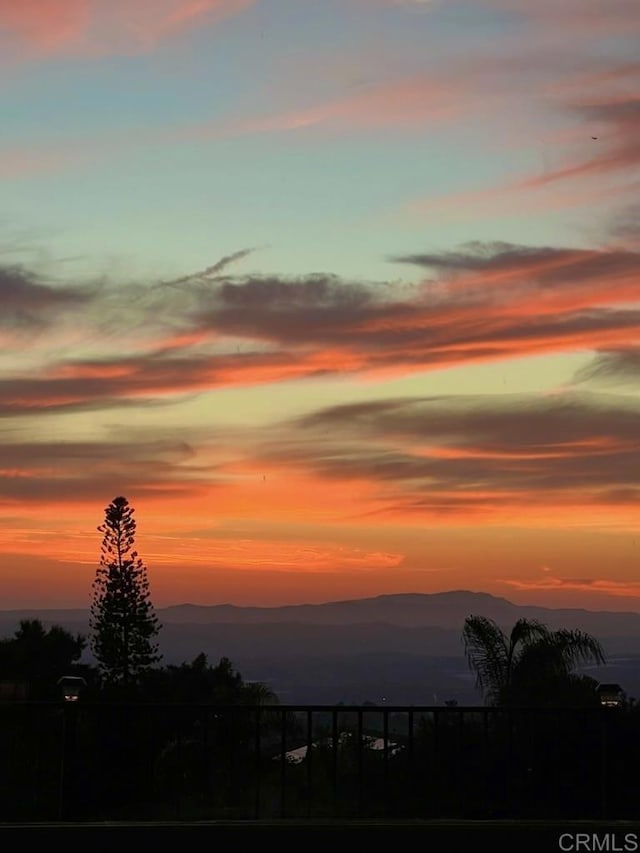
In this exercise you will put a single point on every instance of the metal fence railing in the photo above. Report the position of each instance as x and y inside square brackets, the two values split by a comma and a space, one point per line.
[82, 761]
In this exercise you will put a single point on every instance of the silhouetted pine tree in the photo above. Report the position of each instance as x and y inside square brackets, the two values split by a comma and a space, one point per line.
[123, 621]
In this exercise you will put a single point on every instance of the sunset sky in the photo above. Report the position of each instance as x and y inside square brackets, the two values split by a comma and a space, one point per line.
[342, 295]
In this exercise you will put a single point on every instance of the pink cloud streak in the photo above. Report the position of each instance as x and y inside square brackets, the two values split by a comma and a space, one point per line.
[402, 104]
[36, 28]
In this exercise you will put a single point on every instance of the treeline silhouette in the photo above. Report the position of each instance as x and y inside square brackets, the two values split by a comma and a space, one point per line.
[195, 741]
[122, 744]
[34, 660]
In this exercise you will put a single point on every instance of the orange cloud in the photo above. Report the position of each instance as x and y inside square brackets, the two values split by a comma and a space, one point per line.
[274, 555]
[562, 461]
[554, 450]
[625, 589]
[487, 302]
[241, 531]
[238, 554]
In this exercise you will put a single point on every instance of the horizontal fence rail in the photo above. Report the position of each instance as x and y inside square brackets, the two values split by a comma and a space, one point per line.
[77, 761]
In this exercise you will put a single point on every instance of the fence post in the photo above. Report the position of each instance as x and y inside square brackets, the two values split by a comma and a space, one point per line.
[67, 760]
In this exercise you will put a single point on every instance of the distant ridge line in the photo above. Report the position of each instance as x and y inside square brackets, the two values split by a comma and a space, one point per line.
[446, 609]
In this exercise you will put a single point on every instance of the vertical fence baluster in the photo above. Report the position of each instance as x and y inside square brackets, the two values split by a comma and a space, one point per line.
[335, 745]
[309, 760]
[258, 767]
[360, 737]
[283, 762]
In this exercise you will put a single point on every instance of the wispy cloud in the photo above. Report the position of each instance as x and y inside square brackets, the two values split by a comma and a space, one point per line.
[608, 586]
[506, 456]
[612, 368]
[30, 302]
[86, 470]
[615, 124]
[593, 157]
[479, 303]
[402, 104]
[624, 228]
[212, 271]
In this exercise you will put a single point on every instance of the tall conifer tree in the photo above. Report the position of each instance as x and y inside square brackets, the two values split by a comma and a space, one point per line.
[124, 625]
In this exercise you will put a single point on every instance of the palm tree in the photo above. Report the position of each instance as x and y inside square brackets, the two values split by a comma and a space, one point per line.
[258, 693]
[532, 665]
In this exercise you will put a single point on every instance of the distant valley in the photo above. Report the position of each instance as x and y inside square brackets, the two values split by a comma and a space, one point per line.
[397, 649]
